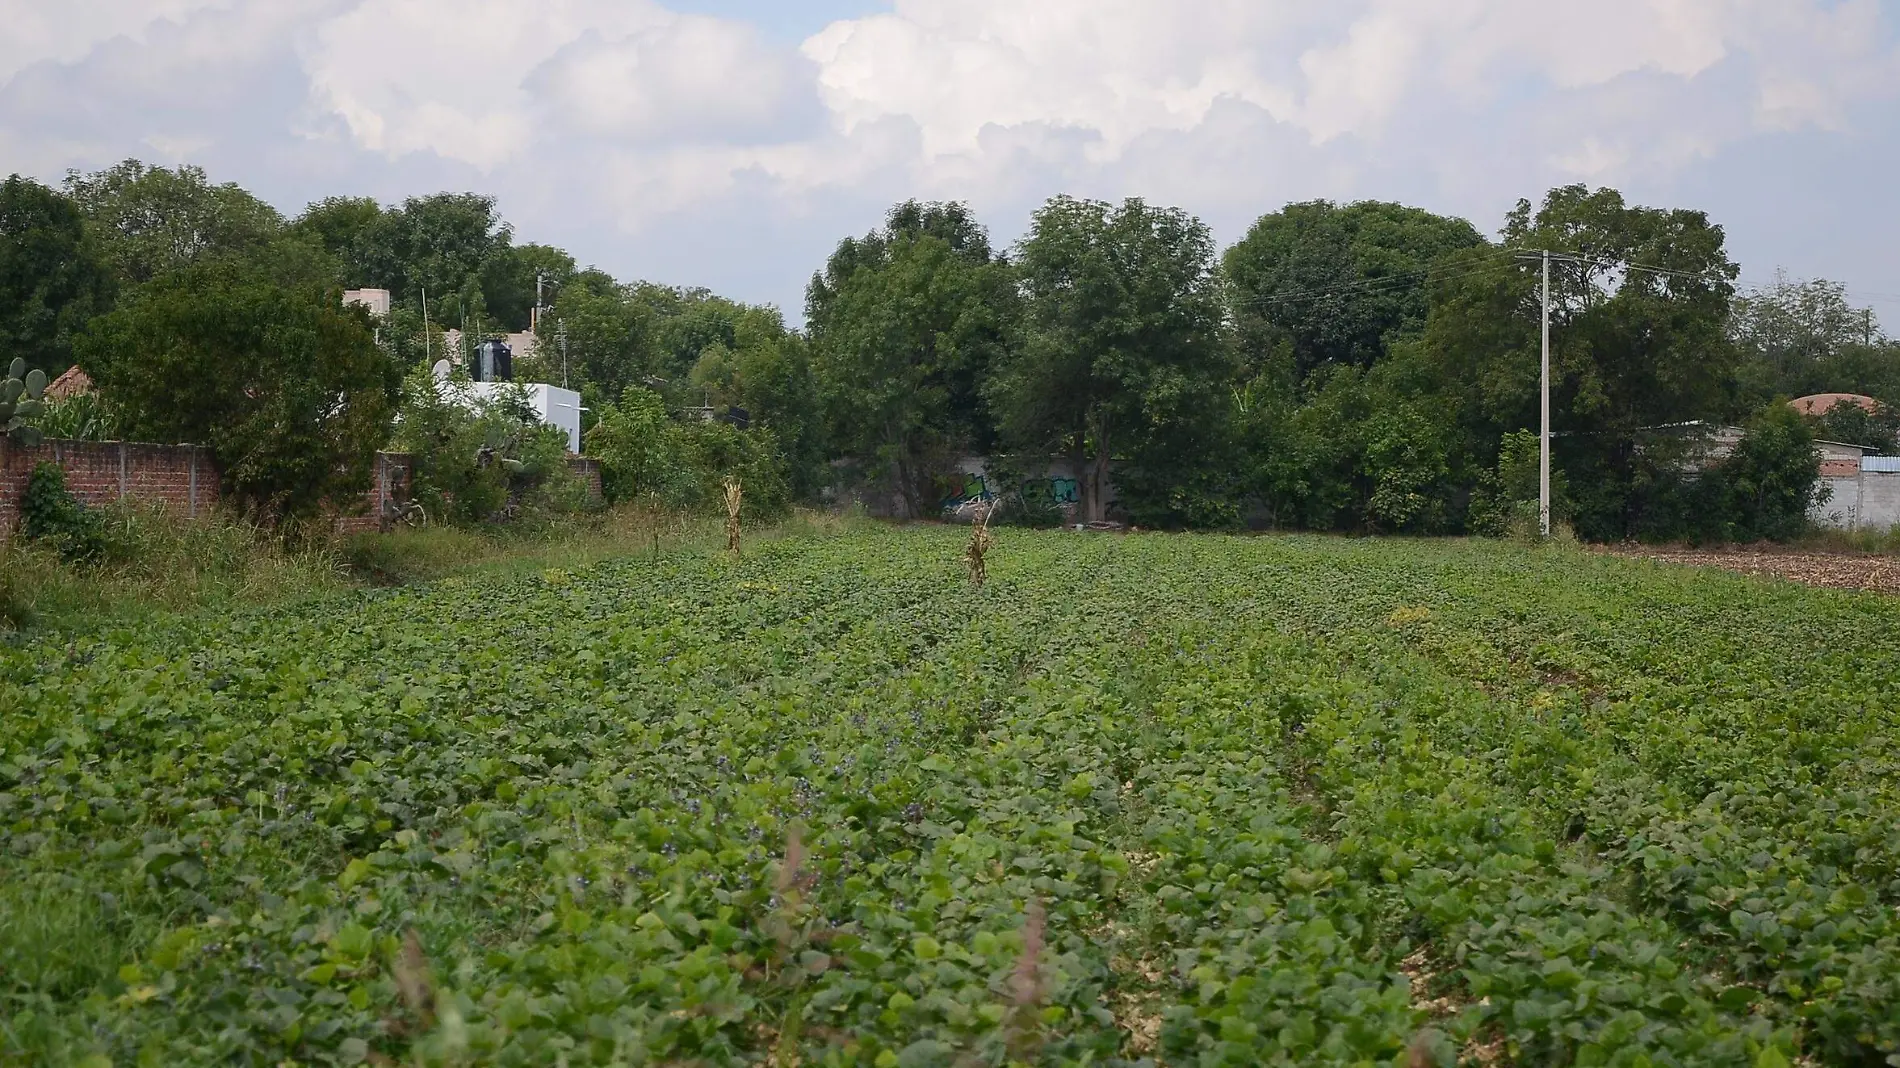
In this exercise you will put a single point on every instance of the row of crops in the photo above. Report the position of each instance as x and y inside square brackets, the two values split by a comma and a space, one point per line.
[1148, 799]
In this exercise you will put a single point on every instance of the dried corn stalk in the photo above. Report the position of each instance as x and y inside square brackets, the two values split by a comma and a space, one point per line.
[980, 543]
[734, 494]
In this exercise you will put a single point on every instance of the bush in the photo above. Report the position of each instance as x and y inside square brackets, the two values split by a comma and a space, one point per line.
[1769, 482]
[51, 515]
[646, 454]
[258, 359]
[481, 459]
[1505, 501]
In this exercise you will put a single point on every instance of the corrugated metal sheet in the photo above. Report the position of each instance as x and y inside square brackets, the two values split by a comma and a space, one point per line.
[1885, 465]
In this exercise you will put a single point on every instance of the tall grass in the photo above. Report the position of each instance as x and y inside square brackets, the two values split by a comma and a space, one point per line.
[155, 561]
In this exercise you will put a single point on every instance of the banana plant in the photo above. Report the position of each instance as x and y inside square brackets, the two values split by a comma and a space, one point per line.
[20, 401]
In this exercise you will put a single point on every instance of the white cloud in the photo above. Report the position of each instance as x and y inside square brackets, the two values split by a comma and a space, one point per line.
[688, 78]
[594, 119]
[62, 31]
[1332, 68]
[482, 81]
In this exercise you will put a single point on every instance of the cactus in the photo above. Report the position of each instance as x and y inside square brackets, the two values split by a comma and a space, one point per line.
[20, 401]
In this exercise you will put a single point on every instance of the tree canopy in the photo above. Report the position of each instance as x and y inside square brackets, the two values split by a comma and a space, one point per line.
[906, 323]
[262, 362]
[1334, 282]
[51, 278]
[1364, 366]
[1123, 346]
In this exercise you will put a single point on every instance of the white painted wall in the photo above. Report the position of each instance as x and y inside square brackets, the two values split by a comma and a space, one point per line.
[557, 407]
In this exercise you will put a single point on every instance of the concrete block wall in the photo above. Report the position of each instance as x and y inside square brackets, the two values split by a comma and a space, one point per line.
[1869, 500]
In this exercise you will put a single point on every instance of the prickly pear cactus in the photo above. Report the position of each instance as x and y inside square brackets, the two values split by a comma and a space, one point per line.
[20, 401]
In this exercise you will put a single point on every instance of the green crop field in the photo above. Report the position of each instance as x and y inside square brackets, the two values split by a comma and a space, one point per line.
[1173, 800]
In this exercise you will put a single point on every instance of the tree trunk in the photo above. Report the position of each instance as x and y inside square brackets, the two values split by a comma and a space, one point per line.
[1092, 480]
[906, 488]
[1098, 492]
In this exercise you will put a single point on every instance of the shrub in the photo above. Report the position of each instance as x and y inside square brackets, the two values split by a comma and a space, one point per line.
[51, 515]
[1505, 501]
[644, 453]
[479, 459]
[1769, 482]
[258, 359]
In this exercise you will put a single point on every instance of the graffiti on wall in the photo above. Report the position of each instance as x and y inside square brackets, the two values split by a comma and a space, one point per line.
[963, 489]
[960, 491]
[1054, 491]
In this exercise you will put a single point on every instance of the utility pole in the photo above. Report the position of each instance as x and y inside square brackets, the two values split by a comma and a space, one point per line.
[1543, 447]
[428, 353]
[561, 332]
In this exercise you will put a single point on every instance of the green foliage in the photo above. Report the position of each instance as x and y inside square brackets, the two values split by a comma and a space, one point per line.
[261, 362]
[1802, 338]
[1182, 799]
[683, 463]
[151, 220]
[906, 324]
[51, 280]
[1337, 282]
[51, 515]
[1123, 349]
[79, 417]
[1769, 481]
[480, 458]
[1846, 421]
[22, 403]
[1506, 499]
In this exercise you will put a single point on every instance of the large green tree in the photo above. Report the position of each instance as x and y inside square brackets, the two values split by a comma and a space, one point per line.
[257, 358]
[608, 338]
[1639, 321]
[905, 324]
[51, 280]
[149, 220]
[443, 244]
[1334, 283]
[1123, 348]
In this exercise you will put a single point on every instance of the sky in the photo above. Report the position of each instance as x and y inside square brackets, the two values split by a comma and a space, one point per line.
[732, 143]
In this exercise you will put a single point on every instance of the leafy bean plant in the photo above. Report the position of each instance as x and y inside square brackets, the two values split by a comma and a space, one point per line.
[1135, 800]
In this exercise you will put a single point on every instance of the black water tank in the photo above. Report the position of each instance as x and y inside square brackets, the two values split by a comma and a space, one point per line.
[494, 362]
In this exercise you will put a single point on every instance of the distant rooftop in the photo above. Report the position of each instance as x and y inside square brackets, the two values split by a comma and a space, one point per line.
[1822, 403]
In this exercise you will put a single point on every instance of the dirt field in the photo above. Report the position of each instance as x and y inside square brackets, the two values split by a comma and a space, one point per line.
[1847, 571]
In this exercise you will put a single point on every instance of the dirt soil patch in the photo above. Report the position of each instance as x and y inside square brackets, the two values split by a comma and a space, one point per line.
[1844, 571]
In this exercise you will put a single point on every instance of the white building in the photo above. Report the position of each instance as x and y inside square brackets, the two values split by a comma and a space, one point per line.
[376, 300]
[557, 407]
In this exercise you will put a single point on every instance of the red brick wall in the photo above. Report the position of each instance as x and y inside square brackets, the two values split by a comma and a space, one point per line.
[389, 486]
[588, 471]
[181, 477]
